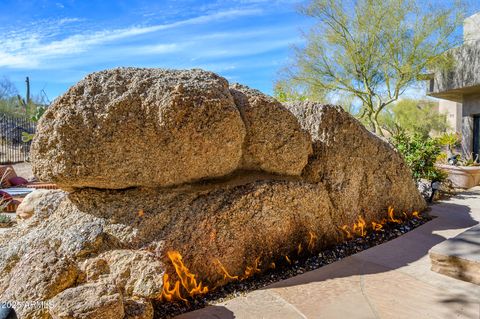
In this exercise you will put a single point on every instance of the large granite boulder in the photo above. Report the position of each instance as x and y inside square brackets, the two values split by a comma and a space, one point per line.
[243, 192]
[131, 127]
[359, 169]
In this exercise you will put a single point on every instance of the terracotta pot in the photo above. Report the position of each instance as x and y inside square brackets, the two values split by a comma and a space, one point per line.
[462, 176]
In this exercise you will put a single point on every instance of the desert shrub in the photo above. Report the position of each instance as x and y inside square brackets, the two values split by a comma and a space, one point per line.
[420, 153]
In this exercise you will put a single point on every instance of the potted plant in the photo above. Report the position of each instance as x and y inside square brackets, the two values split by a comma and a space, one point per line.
[463, 172]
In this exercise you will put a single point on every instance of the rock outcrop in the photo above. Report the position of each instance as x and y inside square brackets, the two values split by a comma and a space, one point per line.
[359, 169]
[139, 127]
[121, 239]
[150, 127]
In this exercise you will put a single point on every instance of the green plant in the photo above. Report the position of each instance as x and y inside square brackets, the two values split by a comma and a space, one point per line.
[468, 160]
[289, 91]
[420, 154]
[413, 116]
[442, 158]
[27, 137]
[374, 50]
[4, 219]
[13, 104]
[450, 141]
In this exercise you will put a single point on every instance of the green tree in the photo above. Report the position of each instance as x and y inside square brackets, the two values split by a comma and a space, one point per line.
[413, 116]
[372, 49]
[287, 91]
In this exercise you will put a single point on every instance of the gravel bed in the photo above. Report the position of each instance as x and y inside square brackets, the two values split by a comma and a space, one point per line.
[286, 270]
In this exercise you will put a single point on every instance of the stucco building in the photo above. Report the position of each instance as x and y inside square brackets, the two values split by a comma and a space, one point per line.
[459, 87]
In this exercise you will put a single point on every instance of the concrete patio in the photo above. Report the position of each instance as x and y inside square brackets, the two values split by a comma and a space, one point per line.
[392, 280]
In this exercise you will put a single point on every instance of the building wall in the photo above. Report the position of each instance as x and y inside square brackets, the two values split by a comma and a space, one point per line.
[463, 77]
[453, 111]
[461, 84]
[471, 27]
[470, 107]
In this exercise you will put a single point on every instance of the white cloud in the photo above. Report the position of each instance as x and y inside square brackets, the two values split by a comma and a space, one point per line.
[15, 61]
[69, 20]
[243, 49]
[32, 49]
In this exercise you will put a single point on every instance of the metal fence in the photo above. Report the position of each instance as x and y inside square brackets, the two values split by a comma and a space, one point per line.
[12, 148]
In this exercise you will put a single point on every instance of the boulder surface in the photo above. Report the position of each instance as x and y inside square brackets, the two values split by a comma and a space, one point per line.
[132, 127]
[243, 193]
[275, 142]
[360, 170]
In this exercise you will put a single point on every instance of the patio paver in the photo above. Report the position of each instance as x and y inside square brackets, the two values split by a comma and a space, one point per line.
[459, 257]
[392, 280]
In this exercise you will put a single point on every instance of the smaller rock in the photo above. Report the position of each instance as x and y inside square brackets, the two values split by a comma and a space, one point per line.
[97, 300]
[136, 273]
[40, 203]
[39, 275]
[27, 207]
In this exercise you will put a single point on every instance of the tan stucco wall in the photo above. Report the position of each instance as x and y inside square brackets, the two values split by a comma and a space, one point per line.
[453, 110]
[470, 107]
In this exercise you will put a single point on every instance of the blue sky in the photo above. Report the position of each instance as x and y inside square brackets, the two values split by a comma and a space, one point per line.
[57, 43]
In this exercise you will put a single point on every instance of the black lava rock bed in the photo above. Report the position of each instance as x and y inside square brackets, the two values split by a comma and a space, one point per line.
[287, 270]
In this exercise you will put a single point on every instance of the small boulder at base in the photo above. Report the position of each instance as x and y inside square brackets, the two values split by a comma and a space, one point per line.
[130, 127]
[97, 300]
[27, 207]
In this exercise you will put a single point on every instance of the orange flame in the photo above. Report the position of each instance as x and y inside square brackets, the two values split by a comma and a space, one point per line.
[288, 259]
[299, 249]
[345, 229]
[312, 240]
[391, 216]
[169, 294]
[187, 280]
[416, 215]
[272, 265]
[226, 275]
[376, 226]
[251, 270]
[359, 227]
